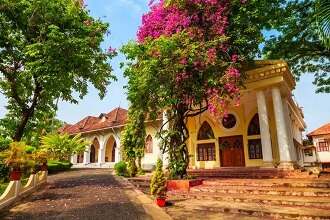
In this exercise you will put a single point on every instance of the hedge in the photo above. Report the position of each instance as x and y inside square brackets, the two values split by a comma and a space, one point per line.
[55, 166]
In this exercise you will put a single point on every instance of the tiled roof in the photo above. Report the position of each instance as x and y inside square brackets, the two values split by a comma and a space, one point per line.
[325, 129]
[116, 117]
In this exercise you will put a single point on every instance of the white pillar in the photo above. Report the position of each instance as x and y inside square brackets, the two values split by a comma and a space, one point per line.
[165, 127]
[267, 153]
[101, 152]
[87, 155]
[288, 120]
[117, 150]
[74, 159]
[282, 133]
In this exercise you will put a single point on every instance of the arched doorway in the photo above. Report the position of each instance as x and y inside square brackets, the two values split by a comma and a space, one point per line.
[80, 158]
[92, 154]
[110, 150]
[94, 151]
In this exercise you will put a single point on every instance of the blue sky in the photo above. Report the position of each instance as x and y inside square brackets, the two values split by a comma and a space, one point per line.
[124, 17]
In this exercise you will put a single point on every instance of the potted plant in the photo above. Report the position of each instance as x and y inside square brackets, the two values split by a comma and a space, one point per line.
[39, 161]
[158, 184]
[15, 159]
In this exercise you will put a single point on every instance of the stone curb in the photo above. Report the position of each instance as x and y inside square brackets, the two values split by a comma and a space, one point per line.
[147, 203]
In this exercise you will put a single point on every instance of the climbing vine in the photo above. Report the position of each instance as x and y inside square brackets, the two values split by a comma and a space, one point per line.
[134, 141]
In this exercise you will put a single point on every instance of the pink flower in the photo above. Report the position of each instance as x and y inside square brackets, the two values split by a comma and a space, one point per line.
[234, 58]
[212, 55]
[233, 72]
[183, 61]
[212, 108]
[112, 50]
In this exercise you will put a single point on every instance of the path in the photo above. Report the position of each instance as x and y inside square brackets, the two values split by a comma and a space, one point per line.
[80, 194]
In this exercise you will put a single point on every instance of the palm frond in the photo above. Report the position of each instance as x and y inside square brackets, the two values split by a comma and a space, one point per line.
[323, 21]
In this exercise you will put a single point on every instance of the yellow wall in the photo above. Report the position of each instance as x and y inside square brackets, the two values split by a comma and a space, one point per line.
[244, 113]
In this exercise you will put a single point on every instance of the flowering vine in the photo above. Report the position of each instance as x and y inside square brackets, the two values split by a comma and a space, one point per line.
[187, 60]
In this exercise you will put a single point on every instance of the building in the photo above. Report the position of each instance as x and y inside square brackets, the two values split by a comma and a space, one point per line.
[264, 131]
[320, 150]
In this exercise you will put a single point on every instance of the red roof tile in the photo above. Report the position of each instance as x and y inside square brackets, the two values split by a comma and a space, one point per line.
[116, 117]
[325, 129]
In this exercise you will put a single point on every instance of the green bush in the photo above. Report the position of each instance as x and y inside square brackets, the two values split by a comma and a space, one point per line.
[158, 181]
[30, 149]
[4, 173]
[55, 166]
[121, 168]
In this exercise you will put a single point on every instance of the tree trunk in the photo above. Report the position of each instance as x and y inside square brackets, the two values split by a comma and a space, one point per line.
[20, 128]
[27, 113]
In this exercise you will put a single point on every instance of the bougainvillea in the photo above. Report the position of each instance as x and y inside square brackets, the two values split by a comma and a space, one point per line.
[187, 60]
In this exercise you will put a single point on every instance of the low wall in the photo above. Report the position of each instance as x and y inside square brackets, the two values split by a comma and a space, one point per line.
[15, 190]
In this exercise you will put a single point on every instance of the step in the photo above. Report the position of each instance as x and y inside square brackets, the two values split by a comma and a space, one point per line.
[283, 191]
[268, 183]
[261, 210]
[250, 173]
[319, 202]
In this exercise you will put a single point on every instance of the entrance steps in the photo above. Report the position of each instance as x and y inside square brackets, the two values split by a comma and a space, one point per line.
[260, 211]
[249, 173]
[94, 165]
[267, 198]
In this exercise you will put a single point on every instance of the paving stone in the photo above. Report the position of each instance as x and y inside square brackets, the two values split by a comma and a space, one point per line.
[82, 194]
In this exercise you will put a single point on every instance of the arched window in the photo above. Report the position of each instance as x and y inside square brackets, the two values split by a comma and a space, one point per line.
[148, 144]
[205, 151]
[254, 139]
[254, 126]
[205, 132]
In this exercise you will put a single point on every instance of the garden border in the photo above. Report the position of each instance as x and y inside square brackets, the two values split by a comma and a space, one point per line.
[16, 191]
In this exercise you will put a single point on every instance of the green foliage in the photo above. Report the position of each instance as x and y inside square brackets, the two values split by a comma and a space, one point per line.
[30, 149]
[298, 42]
[323, 21]
[158, 181]
[4, 143]
[133, 140]
[132, 168]
[15, 156]
[43, 122]
[55, 166]
[4, 172]
[121, 168]
[49, 50]
[62, 146]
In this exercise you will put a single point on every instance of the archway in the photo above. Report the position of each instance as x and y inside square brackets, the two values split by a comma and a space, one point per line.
[110, 150]
[94, 151]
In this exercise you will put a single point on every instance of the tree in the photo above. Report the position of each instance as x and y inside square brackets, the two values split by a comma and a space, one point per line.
[49, 50]
[40, 124]
[62, 146]
[323, 21]
[188, 59]
[298, 42]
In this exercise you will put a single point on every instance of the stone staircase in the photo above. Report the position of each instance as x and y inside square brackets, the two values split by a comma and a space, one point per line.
[264, 198]
[250, 173]
[142, 183]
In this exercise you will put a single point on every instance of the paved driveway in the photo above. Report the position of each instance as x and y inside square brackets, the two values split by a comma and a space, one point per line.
[80, 194]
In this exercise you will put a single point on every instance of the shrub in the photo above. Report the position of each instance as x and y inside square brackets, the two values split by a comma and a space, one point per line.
[158, 181]
[55, 166]
[4, 173]
[29, 149]
[121, 168]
